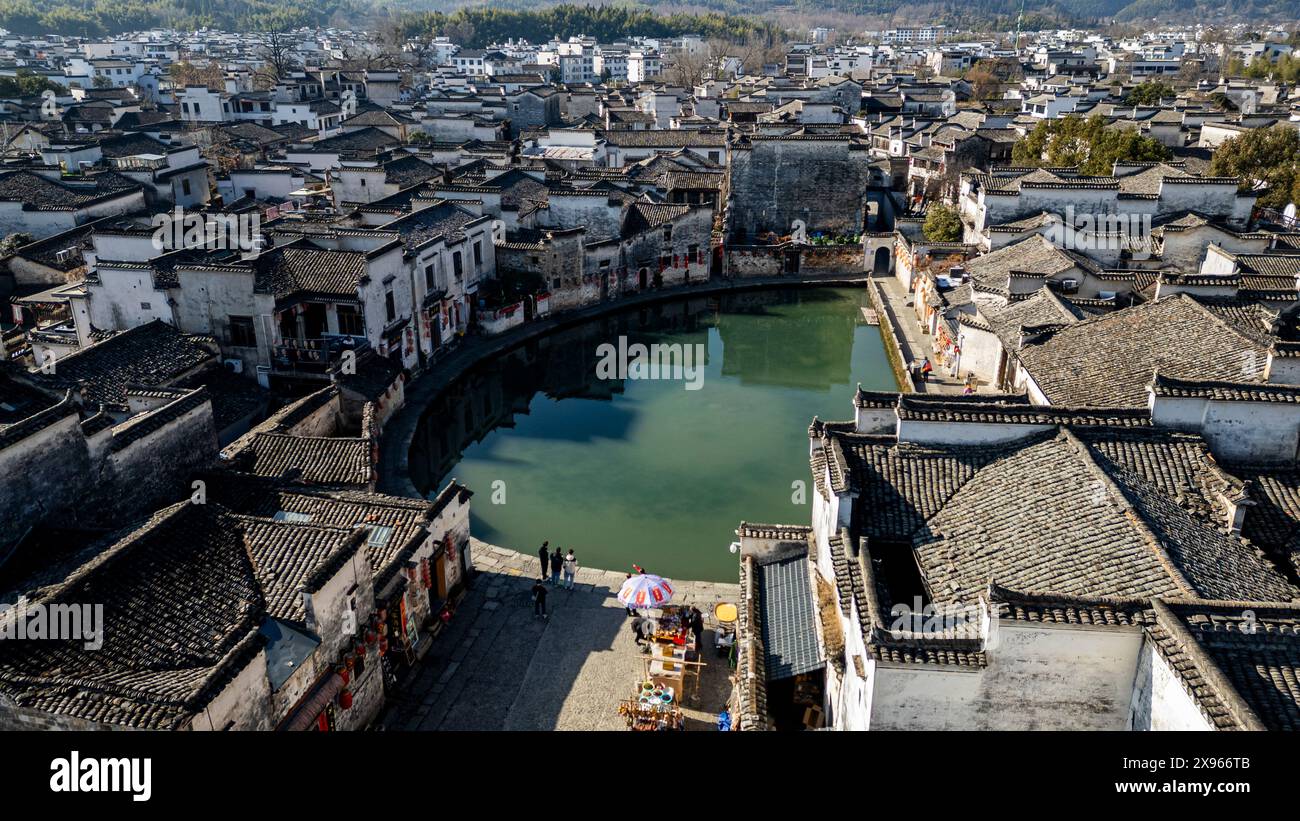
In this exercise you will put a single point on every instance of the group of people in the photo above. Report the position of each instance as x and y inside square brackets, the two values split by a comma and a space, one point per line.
[553, 564]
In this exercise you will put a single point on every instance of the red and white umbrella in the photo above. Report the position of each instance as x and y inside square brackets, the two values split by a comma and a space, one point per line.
[645, 590]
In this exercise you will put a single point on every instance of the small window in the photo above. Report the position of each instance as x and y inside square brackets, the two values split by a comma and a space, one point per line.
[456, 264]
[478, 253]
[379, 534]
[241, 332]
[146, 306]
[185, 187]
[350, 321]
[390, 305]
[428, 277]
[668, 233]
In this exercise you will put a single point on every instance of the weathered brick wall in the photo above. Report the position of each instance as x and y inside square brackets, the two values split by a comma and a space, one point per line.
[831, 259]
[44, 475]
[775, 182]
[156, 468]
[754, 262]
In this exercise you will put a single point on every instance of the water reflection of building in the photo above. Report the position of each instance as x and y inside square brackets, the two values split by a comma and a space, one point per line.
[783, 348]
[791, 349]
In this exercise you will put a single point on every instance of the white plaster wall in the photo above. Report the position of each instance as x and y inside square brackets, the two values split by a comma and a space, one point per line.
[1160, 699]
[1037, 678]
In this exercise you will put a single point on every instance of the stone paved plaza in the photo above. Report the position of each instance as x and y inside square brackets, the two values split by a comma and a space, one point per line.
[497, 666]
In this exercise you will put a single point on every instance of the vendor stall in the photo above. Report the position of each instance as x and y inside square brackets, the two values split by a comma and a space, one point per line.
[652, 708]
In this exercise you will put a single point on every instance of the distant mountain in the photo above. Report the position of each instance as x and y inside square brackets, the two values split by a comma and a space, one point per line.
[95, 18]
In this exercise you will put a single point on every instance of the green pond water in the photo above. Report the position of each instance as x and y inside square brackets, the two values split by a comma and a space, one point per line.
[647, 470]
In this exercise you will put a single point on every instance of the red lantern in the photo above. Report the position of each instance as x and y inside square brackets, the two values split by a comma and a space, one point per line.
[383, 645]
[361, 649]
[323, 723]
[371, 637]
[344, 674]
[345, 699]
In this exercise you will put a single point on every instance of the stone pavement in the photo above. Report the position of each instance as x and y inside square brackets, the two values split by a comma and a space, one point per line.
[915, 341]
[497, 666]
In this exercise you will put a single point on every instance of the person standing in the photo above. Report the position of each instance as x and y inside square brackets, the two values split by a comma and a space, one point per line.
[557, 562]
[545, 556]
[926, 368]
[697, 627]
[643, 629]
[570, 569]
[631, 611]
[539, 597]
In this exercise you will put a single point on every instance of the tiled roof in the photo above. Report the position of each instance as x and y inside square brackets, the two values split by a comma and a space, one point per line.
[182, 604]
[788, 624]
[1110, 359]
[1239, 661]
[333, 461]
[443, 220]
[303, 269]
[1144, 514]
[1032, 255]
[40, 194]
[151, 355]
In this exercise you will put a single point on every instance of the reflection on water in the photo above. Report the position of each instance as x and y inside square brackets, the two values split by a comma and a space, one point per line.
[646, 471]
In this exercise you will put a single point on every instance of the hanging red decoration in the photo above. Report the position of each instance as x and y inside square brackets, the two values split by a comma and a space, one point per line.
[345, 699]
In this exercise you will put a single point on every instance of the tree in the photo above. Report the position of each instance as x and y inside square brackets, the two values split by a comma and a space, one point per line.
[1149, 93]
[1263, 157]
[983, 79]
[942, 224]
[102, 81]
[277, 57]
[24, 83]
[1091, 145]
[184, 73]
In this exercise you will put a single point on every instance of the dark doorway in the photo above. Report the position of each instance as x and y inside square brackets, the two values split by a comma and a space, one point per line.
[642, 278]
[881, 263]
[792, 262]
[314, 325]
[288, 325]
